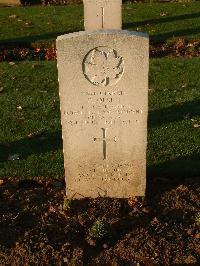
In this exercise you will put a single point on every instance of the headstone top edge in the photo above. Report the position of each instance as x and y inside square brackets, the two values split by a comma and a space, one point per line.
[100, 1]
[102, 32]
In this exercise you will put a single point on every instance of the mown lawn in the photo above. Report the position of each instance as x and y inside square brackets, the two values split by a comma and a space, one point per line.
[30, 131]
[163, 22]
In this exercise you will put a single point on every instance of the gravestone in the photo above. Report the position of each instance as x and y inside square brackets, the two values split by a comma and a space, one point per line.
[103, 86]
[102, 14]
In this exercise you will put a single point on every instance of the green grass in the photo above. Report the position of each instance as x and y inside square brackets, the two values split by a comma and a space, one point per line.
[162, 21]
[173, 142]
[174, 109]
[35, 89]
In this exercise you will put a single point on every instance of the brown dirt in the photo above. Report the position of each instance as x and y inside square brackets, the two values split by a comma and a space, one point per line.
[162, 229]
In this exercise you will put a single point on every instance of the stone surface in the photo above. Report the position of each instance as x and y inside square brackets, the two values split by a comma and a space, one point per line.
[103, 85]
[102, 14]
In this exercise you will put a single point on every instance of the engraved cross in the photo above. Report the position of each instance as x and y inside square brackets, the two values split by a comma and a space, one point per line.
[105, 140]
[97, 14]
[102, 17]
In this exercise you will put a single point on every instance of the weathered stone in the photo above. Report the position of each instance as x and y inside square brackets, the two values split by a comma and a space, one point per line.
[102, 14]
[103, 80]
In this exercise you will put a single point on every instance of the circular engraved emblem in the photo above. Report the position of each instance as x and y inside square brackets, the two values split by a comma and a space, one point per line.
[102, 66]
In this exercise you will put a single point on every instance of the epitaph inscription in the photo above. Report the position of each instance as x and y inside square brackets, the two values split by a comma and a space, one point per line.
[102, 66]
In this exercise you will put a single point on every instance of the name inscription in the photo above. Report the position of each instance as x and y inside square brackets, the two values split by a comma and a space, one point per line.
[103, 108]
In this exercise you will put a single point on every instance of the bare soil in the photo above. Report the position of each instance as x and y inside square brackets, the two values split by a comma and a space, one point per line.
[162, 229]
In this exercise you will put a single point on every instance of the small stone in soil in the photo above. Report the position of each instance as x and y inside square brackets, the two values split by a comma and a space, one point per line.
[91, 242]
[65, 259]
[13, 157]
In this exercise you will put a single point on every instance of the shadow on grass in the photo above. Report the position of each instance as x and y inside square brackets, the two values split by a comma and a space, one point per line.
[28, 40]
[160, 20]
[167, 35]
[46, 142]
[172, 34]
[177, 169]
[174, 113]
[184, 166]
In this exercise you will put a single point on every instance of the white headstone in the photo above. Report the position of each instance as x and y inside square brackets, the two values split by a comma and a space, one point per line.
[102, 14]
[103, 84]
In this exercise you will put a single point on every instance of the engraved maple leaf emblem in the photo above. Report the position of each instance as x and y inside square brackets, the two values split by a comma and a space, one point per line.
[103, 66]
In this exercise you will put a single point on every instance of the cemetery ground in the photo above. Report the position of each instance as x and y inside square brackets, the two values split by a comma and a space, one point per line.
[38, 225]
